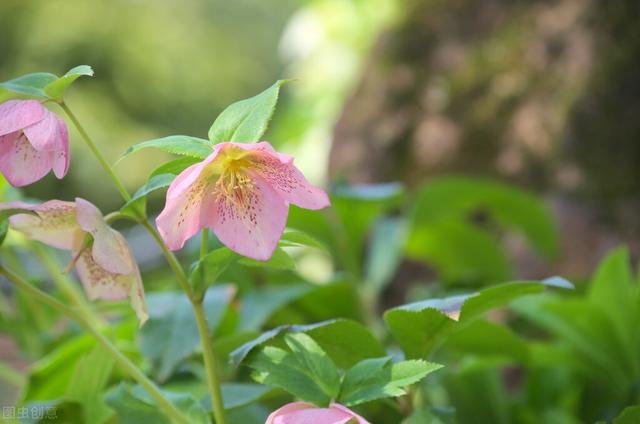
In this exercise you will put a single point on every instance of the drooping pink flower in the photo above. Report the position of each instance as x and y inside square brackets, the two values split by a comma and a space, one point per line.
[105, 265]
[242, 193]
[306, 413]
[33, 141]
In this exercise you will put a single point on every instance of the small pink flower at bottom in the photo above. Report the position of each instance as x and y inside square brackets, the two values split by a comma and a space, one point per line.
[306, 413]
[242, 193]
[33, 141]
[106, 265]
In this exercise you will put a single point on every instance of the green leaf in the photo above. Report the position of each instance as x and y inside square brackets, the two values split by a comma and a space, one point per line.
[207, 270]
[259, 304]
[235, 395]
[30, 85]
[630, 415]
[4, 228]
[89, 379]
[420, 327]
[385, 252]
[279, 368]
[346, 341]
[56, 89]
[315, 361]
[296, 238]
[379, 378]
[175, 166]
[137, 204]
[280, 260]
[171, 334]
[247, 120]
[176, 144]
[133, 406]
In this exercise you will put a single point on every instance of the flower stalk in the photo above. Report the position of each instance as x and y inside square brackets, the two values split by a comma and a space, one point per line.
[125, 363]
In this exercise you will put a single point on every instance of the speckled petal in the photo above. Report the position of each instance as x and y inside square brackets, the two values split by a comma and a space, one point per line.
[61, 157]
[20, 162]
[279, 171]
[304, 413]
[44, 134]
[254, 226]
[99, 283]
[18, 114]
[55, 223]
[110, 249]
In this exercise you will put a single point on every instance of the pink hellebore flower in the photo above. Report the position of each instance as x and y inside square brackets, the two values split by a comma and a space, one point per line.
[106, 267]
[242, 193]
[306, 413]
[33, 141]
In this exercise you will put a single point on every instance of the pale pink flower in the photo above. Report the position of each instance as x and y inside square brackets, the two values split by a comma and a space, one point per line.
[242, 193]
[33, 141]
[306, 413]
[106, 265]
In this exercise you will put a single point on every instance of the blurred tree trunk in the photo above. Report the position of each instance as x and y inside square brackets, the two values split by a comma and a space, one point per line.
[544, 94]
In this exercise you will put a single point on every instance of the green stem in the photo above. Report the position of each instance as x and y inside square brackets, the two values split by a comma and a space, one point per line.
[210, 364]
[94, 149]
[210, 361]
[124, 362]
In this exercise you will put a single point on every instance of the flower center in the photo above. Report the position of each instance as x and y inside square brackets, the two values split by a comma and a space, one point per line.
[234, 184]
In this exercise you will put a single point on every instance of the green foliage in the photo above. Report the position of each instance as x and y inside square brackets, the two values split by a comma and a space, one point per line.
[42, 85]
[247, 120]
[420, 327]
[177, 144]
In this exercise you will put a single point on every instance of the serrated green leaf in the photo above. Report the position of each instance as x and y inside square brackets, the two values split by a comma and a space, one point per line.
[279, 368]
[315, 360]
[379, 378]
[31, 85]
[630, 415]
[176, 144]
[89, 379]
[175, 166]
[206, 271]
[296, 238]
[56, 89]
[247, 120]
[421, 326]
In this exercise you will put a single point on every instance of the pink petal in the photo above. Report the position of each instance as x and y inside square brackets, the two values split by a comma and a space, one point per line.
[62, 156]
[55, 223]
[20, 162]
[279, 171]
[253, 227]
[110, 249]
[99, 283]
[44, 134]
[304, 413]
[18, 114]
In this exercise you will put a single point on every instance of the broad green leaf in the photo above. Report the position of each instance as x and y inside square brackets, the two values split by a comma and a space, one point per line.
[137, 204]
[134, 406]
[379, 378]
[346, 341]
[485, 338]
[29, 85]
[315, 361]
[259, 304]
[279, 368]
[630, 415]
[56, 89]
[89, 379]
[176, 144]
[385, 252]
[171, 334]
[422, 326]
[246, 121]
[175, 166]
